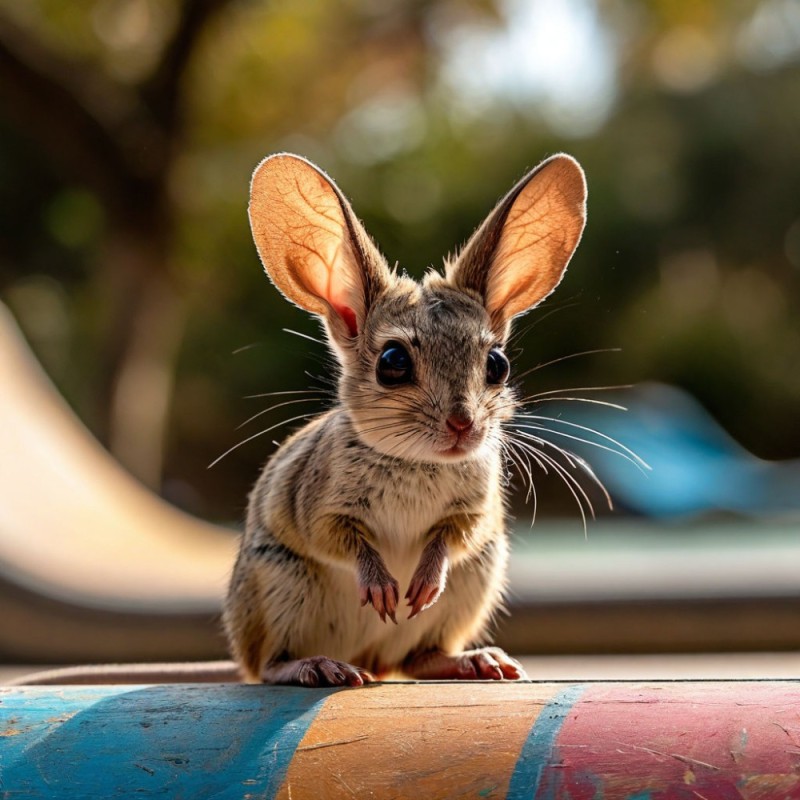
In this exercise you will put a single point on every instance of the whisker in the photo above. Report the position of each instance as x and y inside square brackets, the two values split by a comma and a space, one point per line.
[382, 427]
[327, 380]
[524, 465]
[552, 396]
[514, 404]
[567, 479]
[402, 448]
[582, 389]
[576, 462]
[587, 468]
[575, 400]
[571, 479]
[404, 414]
[274, 394]
[245, 347]
[277, 405]
[588, 429]
[531, 451]
[631, 455]
[304, 336]
[566, 358]
[256, 435]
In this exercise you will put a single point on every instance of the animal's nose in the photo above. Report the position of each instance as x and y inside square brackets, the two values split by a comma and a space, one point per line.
[459, 422]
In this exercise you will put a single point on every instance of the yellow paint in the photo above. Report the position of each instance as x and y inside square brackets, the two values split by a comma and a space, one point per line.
[454, 737]
[689, 777]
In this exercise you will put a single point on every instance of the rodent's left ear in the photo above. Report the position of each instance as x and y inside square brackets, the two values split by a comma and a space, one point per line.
[521, 251]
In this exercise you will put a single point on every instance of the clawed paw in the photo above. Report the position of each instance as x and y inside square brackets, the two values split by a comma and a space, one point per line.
[422, 593]
[491, 664]
[483, 664]
[429, 578]
[384, 597]
[319, 671]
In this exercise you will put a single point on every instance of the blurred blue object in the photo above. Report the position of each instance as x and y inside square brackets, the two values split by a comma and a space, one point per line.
[696, 466]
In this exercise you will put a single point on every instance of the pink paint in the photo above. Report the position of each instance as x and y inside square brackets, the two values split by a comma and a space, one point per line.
[706, 741]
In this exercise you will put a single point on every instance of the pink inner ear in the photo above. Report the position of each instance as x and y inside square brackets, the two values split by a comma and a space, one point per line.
[349, 317]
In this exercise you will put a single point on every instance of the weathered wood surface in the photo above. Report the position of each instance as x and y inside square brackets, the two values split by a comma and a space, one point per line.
[605, 741]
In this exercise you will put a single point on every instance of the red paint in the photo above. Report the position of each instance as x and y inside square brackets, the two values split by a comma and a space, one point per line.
[676, 741]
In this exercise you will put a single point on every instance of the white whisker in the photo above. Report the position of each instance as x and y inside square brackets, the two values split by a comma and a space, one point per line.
[574, 400]
[567, 479]
[256, 435]
[566, 358]
[581, 389]
[304, 336]
[524, 464]
[586, 428]
[586, 467]
[275, 394]
[277, 405]
[638, 462]
[576, 462]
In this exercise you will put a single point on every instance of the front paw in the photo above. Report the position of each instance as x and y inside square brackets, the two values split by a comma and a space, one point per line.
[424, 591]
[429, 578]
[383, 594]
[376, 584]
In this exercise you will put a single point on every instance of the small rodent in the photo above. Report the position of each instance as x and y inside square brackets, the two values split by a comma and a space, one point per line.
[397, 491]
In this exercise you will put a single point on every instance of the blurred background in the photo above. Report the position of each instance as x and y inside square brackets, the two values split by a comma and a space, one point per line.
[128, 133]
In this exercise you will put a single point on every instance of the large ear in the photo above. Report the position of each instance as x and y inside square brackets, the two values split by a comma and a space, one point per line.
[521, 251]
[312, 245]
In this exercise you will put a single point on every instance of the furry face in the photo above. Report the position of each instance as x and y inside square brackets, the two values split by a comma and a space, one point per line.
[452, 403]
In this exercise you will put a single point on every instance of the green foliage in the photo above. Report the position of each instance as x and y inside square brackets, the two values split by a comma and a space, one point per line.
[689, 263]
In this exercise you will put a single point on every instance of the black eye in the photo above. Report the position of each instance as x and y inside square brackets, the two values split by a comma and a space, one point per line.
[394, 365]
[497, 367]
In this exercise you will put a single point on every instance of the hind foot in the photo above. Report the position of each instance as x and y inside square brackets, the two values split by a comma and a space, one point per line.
[482, 664]
[315, 672]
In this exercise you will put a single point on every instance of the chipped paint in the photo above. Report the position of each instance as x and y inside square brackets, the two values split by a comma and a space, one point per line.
[600, 741]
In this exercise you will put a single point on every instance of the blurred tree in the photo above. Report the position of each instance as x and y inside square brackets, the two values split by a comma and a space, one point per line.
[686, 116]
[105, 91]
[120, 140]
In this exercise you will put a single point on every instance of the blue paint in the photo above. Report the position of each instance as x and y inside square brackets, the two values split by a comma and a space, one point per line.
[645, 795]
[537, 752]
[171, 741]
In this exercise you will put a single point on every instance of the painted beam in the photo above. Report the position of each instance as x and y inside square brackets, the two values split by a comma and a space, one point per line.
[605, 741]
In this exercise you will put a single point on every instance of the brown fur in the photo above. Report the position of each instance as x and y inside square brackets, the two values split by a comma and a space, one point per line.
[380, 495]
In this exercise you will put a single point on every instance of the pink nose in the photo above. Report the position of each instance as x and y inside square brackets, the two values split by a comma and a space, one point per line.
[459, 423]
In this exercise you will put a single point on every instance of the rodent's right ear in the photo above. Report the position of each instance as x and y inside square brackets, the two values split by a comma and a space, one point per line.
[312, 245]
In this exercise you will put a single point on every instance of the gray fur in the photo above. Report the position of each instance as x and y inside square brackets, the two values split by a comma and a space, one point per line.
[352, 499]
